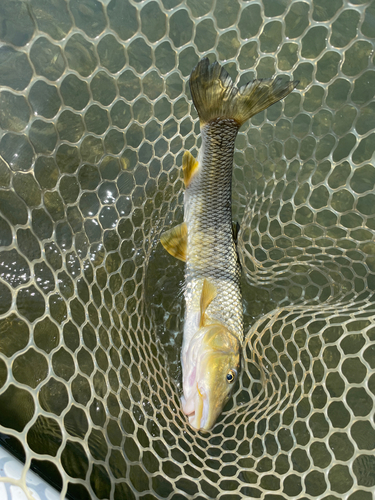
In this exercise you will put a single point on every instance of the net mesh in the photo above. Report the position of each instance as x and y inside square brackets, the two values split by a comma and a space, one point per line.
[95, 114]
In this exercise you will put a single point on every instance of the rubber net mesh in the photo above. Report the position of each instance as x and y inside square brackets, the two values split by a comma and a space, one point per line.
[95, 114]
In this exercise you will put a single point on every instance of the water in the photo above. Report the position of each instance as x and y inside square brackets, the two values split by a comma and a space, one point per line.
[95, 116]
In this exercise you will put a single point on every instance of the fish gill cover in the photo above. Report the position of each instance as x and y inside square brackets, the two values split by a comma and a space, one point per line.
[95, 115]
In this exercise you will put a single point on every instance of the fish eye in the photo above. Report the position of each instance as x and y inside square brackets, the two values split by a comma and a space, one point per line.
[231, 375]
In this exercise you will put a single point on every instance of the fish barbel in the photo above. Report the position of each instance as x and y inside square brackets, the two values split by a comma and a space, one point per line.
[213, 328]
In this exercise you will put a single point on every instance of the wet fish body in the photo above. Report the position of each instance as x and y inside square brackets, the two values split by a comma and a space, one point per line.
[213, 328]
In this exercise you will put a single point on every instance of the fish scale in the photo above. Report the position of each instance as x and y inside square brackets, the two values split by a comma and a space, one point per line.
[211, 252]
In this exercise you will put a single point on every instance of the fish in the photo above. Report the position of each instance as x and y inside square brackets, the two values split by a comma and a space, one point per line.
[205, 241]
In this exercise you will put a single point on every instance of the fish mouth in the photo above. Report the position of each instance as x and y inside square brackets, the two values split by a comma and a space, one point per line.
[199, 416]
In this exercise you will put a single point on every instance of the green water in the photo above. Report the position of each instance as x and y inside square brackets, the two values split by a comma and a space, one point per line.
[95, 117]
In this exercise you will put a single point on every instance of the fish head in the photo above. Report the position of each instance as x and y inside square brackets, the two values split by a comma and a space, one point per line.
[209, 385]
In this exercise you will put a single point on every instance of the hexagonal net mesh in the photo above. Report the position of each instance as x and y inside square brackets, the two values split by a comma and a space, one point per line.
[95, 115]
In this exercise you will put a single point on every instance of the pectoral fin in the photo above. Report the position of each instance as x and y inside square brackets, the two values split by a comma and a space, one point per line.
[189, 167]
[208, 294]
[175, 241]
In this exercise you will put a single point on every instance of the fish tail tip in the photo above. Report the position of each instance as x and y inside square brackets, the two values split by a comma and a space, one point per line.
[215, 96]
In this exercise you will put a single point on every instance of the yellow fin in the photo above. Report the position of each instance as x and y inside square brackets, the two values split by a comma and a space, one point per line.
[175, 241]
[189, 167]
[208, 294]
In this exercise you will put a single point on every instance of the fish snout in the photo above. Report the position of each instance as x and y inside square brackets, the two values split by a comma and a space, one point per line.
[196, 408]
[201, 392]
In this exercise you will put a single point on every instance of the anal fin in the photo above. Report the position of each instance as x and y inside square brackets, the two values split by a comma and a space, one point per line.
[175, 241]
[209, 292]
[189, 167]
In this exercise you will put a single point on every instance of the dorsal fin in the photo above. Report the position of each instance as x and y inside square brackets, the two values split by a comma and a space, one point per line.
[208, 294]
[175, 241]
[189, 167]
[235, 231]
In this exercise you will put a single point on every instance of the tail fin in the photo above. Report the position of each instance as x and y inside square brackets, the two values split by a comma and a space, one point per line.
[214, 94]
